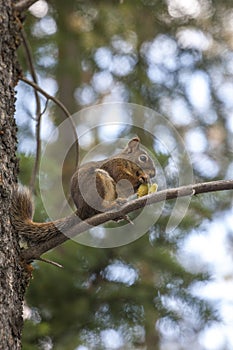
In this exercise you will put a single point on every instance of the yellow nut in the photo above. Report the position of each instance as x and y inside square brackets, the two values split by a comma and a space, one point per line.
[153, 188]
[142, 190]
[145, 189]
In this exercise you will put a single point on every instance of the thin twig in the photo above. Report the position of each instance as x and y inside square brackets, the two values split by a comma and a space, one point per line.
[49, 97]
[29, 56]
[63, 108]
[45, 107]
[50, 262]
[36, 251]
[38, 112]
[24, 5]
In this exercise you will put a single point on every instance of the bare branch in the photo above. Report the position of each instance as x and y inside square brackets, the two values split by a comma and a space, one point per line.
[29, 57]
[50, 262]
[38, 112]
[36, 251]
[49, 97]
[24, 5]
[63, 108]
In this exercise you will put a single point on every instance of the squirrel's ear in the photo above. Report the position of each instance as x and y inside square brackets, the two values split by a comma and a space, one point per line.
[132, 145]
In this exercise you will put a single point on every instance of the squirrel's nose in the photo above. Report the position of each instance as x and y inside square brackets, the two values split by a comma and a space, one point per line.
[144, 178]
[151, 173]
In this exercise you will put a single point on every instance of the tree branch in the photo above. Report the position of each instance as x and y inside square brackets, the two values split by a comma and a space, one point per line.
[36, 251]
[24, 5]
[38, 112]
[63, 108]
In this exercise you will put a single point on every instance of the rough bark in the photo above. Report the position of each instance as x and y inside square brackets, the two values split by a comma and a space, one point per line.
[13, 278]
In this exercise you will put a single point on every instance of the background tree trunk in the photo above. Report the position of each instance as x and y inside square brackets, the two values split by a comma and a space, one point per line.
[13, 279]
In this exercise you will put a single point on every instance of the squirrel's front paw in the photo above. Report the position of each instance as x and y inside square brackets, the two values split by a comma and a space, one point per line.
[115, 205]
[120, 201]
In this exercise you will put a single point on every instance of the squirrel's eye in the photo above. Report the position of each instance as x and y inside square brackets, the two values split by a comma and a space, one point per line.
[143, 158]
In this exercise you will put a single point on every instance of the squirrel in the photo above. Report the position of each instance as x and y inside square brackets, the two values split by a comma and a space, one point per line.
[99, 186]
[96, 186]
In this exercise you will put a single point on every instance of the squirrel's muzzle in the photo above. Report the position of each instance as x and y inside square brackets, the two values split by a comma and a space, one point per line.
[151, 173]
[145, 177]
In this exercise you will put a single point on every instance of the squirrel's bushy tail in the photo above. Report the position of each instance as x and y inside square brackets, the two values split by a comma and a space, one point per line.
[22, 205]
[21, 218]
